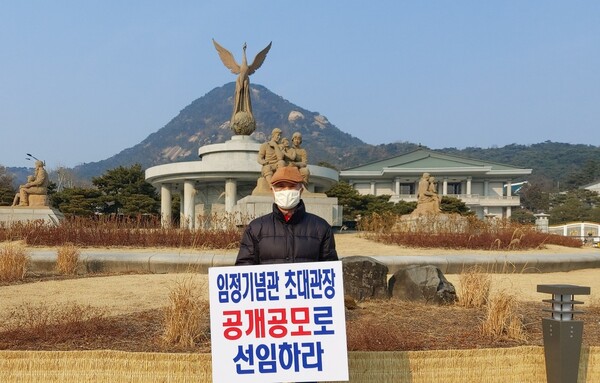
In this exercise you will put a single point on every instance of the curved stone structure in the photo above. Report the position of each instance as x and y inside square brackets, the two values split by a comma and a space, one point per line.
[225, 174]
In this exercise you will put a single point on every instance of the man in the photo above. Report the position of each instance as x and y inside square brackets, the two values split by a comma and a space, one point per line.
[270, 155]
[38, 186]
[288, 234]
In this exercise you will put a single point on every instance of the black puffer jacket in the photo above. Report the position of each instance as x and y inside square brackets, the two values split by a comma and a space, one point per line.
[270, 239]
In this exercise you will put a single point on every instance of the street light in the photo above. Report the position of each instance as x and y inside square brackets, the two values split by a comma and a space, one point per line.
[562, 333]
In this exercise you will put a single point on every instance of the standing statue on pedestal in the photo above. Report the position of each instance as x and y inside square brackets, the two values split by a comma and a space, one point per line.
[242, 120]
[37, 186]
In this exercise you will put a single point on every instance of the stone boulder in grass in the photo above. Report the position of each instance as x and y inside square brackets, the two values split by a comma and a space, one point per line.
[364, 278]
[422, 283]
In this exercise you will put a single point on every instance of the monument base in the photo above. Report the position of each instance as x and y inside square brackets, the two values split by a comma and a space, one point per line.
[432, 223]
[12, 214]
[319, 204]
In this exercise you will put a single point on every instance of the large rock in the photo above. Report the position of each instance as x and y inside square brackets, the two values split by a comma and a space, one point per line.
[422, 283]
[364, 278]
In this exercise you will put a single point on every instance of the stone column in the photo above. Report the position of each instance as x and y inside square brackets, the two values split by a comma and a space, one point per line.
[469, 179]
[165, 205]
[373, 187]
[230, 194]
[508, 188]
[397, 185]
[445, 186]
[181, 211]
[486, 187]
[189, 204]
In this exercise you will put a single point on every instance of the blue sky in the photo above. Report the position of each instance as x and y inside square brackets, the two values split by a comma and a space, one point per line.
[82, 80]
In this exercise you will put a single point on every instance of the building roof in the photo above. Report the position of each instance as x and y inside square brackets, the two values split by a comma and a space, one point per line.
[423, 160]
[594, 186]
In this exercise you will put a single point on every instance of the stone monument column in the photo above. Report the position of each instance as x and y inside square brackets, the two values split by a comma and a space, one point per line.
[189, 207]
[165, 205]
[230, 194]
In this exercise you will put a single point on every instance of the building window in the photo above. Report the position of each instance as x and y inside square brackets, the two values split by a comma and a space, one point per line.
[407, 188]
[454, 188]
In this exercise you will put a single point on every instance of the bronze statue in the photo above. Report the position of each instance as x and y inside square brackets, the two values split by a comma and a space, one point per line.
[242, 120]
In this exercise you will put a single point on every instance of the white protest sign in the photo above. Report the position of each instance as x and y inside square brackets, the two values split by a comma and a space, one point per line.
[278, 323]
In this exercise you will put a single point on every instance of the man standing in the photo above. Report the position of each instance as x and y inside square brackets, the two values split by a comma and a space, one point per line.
[288, 234]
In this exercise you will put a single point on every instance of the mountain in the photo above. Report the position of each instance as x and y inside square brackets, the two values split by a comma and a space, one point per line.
[205, 121]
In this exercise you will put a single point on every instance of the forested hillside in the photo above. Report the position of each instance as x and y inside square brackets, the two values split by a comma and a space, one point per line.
[563, 165]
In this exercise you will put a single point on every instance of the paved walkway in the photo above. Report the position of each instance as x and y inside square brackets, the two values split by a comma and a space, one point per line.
[171, 261]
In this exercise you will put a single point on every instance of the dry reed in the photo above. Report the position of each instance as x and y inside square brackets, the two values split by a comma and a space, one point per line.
[67, 257]
[122, 232]
[458, 232]
[502, 320]
[13, 262]
[474, 290]
[40, 321]
[186, 318]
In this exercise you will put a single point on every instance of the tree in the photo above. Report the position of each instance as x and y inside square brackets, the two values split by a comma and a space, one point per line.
[355, 204]
[534, 198]
[125, 191]
[588, 173]
[452, 205]
[522, 216]
[77, 201]
[65, 178]
[348, 198]
[7, 190]
[574, 206]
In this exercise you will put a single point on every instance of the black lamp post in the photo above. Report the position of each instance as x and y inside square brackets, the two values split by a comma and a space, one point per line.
[562, 334]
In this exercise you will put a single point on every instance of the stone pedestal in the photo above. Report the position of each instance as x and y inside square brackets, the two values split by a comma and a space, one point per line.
[12, 214]
[38, 200]
[319, 204]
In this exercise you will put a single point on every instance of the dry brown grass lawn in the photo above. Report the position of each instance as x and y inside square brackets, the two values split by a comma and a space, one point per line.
[132, 309]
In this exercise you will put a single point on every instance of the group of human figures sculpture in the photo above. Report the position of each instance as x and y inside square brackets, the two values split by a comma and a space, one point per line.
[277, 153]
[37, 184]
